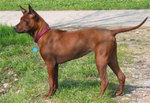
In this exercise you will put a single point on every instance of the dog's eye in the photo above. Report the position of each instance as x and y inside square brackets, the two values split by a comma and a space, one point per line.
[25, 21]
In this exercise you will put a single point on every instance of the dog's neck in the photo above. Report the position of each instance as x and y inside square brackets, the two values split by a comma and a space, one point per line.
[40, 26]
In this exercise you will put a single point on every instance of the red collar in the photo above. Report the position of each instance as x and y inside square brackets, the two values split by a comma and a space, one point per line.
[41, 33]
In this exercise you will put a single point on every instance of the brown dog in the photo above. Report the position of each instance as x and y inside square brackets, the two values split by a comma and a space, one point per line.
[57, 46]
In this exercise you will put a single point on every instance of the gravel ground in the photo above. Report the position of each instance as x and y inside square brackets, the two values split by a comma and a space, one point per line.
[137, 72]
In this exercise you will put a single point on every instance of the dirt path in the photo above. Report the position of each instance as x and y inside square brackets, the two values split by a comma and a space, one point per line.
[82, 18]
[137, 72]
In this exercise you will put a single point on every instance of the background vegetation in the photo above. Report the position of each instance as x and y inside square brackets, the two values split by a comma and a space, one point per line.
[75, 4]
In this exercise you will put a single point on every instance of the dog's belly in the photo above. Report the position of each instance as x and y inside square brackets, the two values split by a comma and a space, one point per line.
[64, 58]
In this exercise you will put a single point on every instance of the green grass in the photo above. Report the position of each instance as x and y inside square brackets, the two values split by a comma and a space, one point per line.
[78, 79]
[75, 4]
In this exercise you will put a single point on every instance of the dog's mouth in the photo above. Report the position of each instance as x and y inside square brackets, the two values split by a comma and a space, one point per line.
[19, 31]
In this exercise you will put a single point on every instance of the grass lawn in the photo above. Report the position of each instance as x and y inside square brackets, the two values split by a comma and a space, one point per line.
[25, 73]
[75, 4]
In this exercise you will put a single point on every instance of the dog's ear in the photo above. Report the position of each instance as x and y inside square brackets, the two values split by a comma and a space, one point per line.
[22, 9]
[33, 13]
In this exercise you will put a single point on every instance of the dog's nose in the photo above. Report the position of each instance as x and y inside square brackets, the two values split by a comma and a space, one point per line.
[15, 27]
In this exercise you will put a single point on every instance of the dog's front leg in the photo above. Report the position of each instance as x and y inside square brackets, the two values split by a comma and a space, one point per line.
[56, 77]
[51, 73]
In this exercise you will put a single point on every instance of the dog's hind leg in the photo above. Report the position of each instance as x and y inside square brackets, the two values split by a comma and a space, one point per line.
[113, 64]
[102, 53]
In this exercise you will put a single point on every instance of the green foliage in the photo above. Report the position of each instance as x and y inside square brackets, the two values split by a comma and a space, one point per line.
[75, 4]
[8, 36]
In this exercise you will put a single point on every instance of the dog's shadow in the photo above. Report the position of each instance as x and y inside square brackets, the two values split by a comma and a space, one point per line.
[112, 87]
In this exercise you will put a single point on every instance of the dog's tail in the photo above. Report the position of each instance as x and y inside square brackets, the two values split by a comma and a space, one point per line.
[115, 31]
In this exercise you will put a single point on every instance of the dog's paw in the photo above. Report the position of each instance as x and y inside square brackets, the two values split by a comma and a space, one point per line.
[118, 93]
[99, 96]
[46, 96]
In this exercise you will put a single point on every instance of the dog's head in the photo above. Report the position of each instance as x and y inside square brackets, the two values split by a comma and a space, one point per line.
[28, 21]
